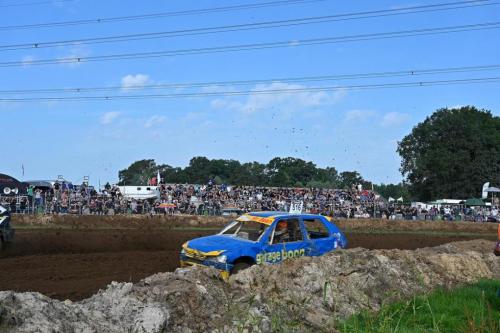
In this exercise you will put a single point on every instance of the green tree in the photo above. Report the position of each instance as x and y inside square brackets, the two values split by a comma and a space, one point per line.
[451, 154]
[252, 173]
[290, 171]
[326, 178]
[287, 171]
[349, 178]
[198, 171]
[138, 173]
[170, 174]
[392, 190]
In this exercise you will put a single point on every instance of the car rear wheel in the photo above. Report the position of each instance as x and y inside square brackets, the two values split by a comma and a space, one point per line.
[239, 267]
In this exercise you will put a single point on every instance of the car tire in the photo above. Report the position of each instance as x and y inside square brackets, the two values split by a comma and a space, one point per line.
[239, 267]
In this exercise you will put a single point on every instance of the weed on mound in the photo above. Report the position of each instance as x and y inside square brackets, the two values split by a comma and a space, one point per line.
[473, 308]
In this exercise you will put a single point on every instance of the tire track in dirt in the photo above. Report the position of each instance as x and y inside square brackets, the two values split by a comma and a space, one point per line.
[74, 264]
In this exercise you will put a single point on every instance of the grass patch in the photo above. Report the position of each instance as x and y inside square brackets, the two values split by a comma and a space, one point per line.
[473, 308]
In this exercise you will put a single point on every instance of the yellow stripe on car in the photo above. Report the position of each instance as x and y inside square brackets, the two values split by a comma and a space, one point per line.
[200, 254]
[264, 220]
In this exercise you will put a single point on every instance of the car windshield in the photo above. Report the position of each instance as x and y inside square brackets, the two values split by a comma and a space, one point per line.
[245, 230]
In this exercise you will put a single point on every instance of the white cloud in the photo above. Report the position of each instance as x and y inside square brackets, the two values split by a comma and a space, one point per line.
[154, 120]
[191, 117]
[72, 58]
[279, 95]
[394, 118]
[225, 103]
[135, 81]
[358, 115]
[458, 106]
[217, 89]
[109, 117]
[27, 60]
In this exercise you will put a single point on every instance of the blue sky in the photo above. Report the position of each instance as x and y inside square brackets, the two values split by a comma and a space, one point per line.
[348, 129]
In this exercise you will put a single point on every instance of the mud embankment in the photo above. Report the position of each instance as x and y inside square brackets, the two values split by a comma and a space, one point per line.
[187, 221]
[302, 294]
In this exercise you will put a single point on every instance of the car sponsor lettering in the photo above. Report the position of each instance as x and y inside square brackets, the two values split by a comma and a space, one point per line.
[272, 257]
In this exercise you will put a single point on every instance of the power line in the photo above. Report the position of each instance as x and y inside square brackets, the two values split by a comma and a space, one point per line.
[257, 92]
[259, 46]
[303, 79]
[250, 26]
[35, 3]
[161, 14]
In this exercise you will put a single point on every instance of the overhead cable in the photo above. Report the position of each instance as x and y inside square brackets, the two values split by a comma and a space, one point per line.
[160, 14]
[246, 26]
[258, 46]
[302, 79]
[256, 91]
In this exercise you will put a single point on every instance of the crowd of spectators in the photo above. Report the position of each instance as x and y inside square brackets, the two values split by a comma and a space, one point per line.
[458, 212]
[211, 199]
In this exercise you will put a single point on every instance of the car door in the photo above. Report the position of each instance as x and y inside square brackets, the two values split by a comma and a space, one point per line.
[280, 248]
[318, 236]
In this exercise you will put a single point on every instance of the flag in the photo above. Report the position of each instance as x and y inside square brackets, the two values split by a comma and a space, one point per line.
[22, 167]
[158, 178]
[484, 193]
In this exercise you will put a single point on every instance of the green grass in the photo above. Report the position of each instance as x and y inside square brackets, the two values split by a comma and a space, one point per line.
[473, 308]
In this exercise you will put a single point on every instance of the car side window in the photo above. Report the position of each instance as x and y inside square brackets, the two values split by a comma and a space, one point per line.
[286, 231]
[316, 229]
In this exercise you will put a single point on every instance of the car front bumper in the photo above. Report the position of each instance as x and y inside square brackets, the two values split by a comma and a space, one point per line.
[224, 268]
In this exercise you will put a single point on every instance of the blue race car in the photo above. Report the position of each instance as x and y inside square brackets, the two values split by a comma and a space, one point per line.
[263, 237]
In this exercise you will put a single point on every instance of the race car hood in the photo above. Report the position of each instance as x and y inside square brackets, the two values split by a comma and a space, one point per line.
[217, 243]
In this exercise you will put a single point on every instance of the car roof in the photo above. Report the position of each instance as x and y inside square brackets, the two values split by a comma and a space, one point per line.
[268, 217]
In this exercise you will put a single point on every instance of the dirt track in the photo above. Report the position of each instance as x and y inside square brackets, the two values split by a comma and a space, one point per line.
[75, 263]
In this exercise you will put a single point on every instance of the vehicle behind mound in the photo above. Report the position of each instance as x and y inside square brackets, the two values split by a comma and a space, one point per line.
[263, 238]
[6, 232]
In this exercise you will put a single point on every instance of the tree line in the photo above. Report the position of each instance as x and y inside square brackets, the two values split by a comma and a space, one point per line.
[285, 172]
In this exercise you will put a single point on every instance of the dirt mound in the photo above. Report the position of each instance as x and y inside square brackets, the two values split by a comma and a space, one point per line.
[303, 294]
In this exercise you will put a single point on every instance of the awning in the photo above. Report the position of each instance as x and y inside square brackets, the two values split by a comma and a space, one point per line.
[39, 183]
[474, 202]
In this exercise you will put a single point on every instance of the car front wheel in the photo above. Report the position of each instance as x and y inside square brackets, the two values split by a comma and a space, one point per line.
[239, 267]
